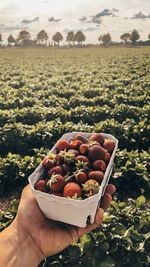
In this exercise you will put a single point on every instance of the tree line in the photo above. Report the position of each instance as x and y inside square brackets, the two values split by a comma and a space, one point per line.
[42, 38]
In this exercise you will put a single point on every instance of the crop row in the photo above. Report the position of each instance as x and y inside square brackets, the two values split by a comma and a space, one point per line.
[22, 139]
[130, 174]
[88, 114]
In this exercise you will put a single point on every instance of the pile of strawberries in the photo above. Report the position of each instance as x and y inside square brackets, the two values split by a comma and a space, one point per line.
[77, 168]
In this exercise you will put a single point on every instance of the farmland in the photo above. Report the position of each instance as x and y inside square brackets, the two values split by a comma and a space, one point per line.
[45, 93]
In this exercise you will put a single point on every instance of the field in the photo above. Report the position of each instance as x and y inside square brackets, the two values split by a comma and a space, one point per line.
[47, 92]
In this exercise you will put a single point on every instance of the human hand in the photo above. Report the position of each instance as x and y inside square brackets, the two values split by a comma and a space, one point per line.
[35, 237]
[50, 236]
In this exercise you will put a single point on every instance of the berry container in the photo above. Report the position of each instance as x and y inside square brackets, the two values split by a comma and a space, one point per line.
[67, 210]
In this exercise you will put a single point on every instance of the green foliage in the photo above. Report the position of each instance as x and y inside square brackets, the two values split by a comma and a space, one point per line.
[44, 94]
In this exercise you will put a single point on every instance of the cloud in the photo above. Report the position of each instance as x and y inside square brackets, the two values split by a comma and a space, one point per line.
[27, 21]
[52, 19]
[97, 18]
[141, 15]
[83, 18]
[11, 28]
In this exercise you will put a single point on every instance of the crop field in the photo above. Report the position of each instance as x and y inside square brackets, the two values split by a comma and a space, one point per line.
[45, 93]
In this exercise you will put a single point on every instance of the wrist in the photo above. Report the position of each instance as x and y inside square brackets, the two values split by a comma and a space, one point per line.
[18, 248]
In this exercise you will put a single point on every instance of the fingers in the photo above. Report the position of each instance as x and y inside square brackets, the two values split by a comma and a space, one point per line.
[91, 227]
[110, 189]
[106, 201]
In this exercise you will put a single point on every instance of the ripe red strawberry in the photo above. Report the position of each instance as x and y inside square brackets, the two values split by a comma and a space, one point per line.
[56, 170]
[72, 190]
[59, 158]
[66, 168]
[97, 137]
[81, 177]
[74, 151]
[56, 183]
[49, 161]
[84, 149]
[40, 185]
[82, 162]
[109, 145]
[62, 145]
[75, 144]
[81, 137]
[99, 165]
[96, 152]
[68, 156]
[107, 157]
[96, 175]
[91, 187]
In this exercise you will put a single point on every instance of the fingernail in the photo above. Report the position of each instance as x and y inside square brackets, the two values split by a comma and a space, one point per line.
[101, 210]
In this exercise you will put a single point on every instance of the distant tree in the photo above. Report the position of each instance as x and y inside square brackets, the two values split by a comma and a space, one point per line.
[70, 38]
[11, 40]
[106, 39]
[42, 37]
[100, 38]
[149, 36]
[134, 36]
[22, 37]
[79, 37]
[0, 39]
[125, 37]
[57, 38]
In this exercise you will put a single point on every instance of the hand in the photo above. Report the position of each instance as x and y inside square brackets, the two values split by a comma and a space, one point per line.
[32, 237]
[50, 236]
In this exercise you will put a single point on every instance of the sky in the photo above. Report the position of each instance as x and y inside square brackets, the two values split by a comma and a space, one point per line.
[93, 17]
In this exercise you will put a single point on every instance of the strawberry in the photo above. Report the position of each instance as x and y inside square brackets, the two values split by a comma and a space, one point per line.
[40, 185]
[56, 170]
[84, 149]
[72, 190]
[49, 161]
[93, 143]
[97, 137]
[74, 151]
[91, 187]
[82, 158]
[81, 137]
[81, 177]
[66, 168]
[75, 144]
[62, 145]
[107, 157]
[99, 165]
[109, 145]
[59, 158]
[96, 152]
[82, 162]
[96, 175]
[68, 156]
[56, 183]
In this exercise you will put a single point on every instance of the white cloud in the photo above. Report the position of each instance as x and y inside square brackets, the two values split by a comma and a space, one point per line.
[12, 12]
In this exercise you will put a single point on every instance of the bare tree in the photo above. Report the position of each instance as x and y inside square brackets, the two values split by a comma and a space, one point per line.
[57, 38]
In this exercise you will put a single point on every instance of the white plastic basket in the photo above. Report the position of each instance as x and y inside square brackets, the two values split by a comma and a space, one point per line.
[71, 211]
